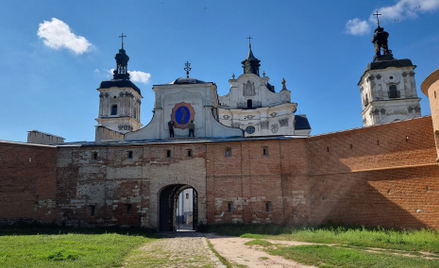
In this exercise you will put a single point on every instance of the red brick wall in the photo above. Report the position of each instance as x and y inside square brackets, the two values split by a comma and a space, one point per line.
[28, 182]
[382, 175]
[386, 178]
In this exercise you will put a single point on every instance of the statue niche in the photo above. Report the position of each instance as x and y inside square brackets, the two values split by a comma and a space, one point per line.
[249, 89]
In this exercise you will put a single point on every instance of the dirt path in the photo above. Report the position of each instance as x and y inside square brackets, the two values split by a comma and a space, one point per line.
[237, 253]
[185, 249]
[190, 249]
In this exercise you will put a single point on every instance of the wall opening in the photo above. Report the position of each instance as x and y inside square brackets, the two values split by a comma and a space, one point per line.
[114, 109]
[178, 208]
[230, 207]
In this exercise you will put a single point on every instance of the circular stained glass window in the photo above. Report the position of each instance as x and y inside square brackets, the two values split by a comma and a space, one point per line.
[250, 130]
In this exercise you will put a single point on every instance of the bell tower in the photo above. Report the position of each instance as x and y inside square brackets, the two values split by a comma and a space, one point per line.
[251, 64]
[387, 86]
[119, 100]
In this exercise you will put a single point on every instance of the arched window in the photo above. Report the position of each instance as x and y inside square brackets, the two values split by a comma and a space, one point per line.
[114, 109]
[393, 92]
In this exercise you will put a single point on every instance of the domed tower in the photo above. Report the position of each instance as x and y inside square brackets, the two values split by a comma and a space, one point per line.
[388, 87]
[251, 64]
[119, 104]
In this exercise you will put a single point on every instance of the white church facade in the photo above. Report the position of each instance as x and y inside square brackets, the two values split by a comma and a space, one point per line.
[251, 108]
[253, 105]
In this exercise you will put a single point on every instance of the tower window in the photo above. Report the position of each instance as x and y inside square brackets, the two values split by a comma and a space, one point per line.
[130, 154]
[129, 209]
[393, 92]
[168, 153]
[189, 153]
[228, 152]
[94, 156]
[114, 109]
[249, 104]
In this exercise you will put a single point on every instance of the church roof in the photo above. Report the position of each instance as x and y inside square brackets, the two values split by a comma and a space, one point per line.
[119, 83]
[384, 64]
[189, 80]
[250, 56]
[301, 122]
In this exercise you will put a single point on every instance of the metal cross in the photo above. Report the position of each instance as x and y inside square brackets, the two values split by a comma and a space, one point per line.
[187, 68]
[122, 36]
[249, 40]
[378, 19]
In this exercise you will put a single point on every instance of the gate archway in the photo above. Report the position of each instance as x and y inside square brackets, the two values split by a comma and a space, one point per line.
[169, 203]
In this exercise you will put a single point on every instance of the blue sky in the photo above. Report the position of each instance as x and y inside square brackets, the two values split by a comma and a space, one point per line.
[54, 54]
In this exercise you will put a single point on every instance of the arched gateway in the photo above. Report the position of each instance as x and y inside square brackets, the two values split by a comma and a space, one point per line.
[169, 204]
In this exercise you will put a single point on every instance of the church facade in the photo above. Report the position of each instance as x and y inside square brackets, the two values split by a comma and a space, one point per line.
[382, 174]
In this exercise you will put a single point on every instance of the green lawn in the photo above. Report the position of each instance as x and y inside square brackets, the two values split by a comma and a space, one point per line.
[355, 246]
[54, 247]
[346, 257]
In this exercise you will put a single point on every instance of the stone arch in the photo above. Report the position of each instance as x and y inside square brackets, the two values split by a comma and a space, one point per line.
[168, 205]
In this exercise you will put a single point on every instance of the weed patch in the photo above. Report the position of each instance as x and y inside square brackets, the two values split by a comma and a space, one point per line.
[259, 242]
[326, 256]
[414, 240]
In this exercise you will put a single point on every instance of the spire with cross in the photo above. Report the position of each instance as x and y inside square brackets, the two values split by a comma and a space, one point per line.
[249, 41]
[378, 19]
[122, 36]
[379, 39]
[121, 71]
[187, 68]
[251, 64]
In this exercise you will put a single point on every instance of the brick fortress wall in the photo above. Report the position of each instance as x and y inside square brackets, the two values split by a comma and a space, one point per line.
[27, 182]
[382, 175]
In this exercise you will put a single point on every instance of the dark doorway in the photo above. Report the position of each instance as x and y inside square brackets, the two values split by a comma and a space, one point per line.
[172, 213]
[249, 104]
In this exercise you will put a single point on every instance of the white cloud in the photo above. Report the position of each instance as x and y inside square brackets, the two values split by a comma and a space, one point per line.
[141, 77]
[403, 9]
[57, 34]
[406, 9]
[357, 27]
[136, 76]
[96, 71]
[109, 72]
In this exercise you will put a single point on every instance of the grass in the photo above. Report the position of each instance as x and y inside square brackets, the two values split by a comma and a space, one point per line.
[355, 246]
[259, 242]
[416, 240]
[335, 256]
[68, 247]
